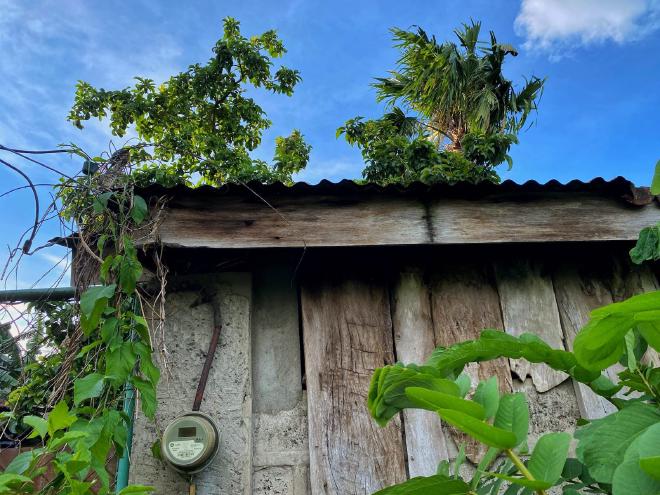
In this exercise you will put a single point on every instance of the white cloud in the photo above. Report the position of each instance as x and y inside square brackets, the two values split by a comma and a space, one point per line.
[557, 26]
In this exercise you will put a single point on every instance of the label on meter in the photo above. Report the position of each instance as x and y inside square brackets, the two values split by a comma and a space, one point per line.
[184, 450]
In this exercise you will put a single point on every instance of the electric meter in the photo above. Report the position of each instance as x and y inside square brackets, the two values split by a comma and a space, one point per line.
[190, 442]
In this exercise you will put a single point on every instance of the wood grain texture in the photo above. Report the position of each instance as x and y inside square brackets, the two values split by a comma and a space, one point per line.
[578, 292]
[375, 219]
[529, 306]
[464, 302]
[347, 334]
[414, 342]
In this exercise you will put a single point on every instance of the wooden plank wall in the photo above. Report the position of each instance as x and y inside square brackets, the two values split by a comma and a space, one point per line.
[354, 323]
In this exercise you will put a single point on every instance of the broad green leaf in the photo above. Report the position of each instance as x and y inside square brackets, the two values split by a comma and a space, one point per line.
[21, 462]
[387, 389]
[549, 456]
[60, 418]
[533, 484]
[603, 442]
[149, 370]
[655, 183]
[429, 485]
[433, 401]
[630, 479]
[92, 303]
[88, 387]
[513, 415]
[130, 268]
[11, 481]
[39, 426]
[100, 202]
[600, 343]
[139, 210]
[147, 395]
[83, 352]
[651, 466]
[651, 333]
[488, 395]
[485, 433]
[647, 247]
[386, 392]
[68, 437]
[119, 363]
[464, 384]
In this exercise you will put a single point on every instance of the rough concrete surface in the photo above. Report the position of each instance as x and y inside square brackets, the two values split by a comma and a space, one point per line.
[228, 393]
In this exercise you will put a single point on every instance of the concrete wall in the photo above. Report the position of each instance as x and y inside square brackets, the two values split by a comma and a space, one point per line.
[254, 391]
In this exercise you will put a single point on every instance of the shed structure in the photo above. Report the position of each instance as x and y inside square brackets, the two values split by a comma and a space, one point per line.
[320, 285]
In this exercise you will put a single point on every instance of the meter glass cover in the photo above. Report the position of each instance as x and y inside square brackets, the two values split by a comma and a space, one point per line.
[187, 432]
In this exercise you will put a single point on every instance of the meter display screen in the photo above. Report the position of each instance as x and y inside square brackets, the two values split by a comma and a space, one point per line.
[187, 432]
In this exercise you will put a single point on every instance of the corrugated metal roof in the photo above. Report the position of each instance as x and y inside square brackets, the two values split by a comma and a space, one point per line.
[618, 187]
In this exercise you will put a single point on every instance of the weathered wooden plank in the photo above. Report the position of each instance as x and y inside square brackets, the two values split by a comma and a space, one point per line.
[464, 302]
[280, 437]
[347, 334]
[379, 219]
[414, 343]
[529, 306]
[228, 396]
[578, 292]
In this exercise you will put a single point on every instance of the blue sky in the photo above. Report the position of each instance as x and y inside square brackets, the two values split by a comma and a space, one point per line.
[599, 115]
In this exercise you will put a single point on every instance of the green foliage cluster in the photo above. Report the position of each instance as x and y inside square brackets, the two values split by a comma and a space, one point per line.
[465, 114]
[200, 123]
[618, 454]
[77, 436]
[647, 247]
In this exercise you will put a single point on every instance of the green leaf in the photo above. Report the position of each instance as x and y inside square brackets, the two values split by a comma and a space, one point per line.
[119, 363]
[11, 481]
[147, 396]
[433, 401]
[647, 247]
[603, 442]
[149, 370]
[68, 437]
[387, 389]
[655, 183]
[488, 395]
[601, 342]
[427, 485]
[100, 202]
[651, 466]
[21, 462]
[92, 303]
[629, 477]
[39, 426]
[88, 387]
[130, 268]
[513, 415]
[650, 331]
[139, 210]
[485, 433]
[60, 418]
[464, 384]
[549, 456]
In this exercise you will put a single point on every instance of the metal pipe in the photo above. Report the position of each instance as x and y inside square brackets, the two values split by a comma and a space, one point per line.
[123, 466]
[32, 295]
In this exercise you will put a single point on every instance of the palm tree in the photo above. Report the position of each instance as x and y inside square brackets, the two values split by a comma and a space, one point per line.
[458, 88]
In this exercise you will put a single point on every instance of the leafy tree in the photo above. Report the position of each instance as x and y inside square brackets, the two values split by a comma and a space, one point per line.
[201, 123]
[461, 104]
